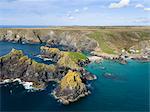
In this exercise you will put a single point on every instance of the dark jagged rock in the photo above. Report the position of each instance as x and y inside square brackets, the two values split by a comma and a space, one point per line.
[70, 41]
[16, 65]
[72, 60]
[71, 81]
[142, 59]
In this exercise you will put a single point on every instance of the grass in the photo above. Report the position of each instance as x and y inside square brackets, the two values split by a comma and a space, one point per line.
[75, 56]
[71, 80]
[112, 41]
[70, 59]
[102, 43]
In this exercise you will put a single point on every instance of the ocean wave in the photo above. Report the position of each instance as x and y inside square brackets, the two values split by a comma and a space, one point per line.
[26, 85]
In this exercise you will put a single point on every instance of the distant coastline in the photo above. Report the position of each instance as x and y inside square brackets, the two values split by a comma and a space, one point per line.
[72, 26]
[24, 26]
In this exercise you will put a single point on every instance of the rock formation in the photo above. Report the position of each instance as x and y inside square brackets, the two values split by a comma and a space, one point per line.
[71, 80]
[73, 60]
[72, 40]
[110, 40]
[64, 48]
[71, 88]
[16, 65]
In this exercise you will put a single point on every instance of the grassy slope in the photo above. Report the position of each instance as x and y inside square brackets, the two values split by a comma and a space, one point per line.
[100, 38]
[75, 56]
[70, 59]
[111, 40]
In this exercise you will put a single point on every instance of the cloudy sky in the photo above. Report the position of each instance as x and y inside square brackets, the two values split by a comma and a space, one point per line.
[75, 12]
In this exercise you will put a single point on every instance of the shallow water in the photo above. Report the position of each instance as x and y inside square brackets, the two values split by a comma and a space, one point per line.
[127, 92]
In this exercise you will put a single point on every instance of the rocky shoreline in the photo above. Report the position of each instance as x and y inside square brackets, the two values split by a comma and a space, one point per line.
[34, 75]
[64, 48]
[122, 59]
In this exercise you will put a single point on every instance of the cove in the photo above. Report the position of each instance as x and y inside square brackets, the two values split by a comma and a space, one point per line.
[129, 91]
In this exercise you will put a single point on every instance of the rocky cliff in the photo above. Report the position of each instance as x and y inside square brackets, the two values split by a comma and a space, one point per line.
[16, 65]
[110, 40]
[72, 60]
[73, 39]
[71, 88]
[68, 70]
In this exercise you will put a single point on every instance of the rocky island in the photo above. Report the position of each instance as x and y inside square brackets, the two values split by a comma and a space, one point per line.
[66, 48]
[67, 71]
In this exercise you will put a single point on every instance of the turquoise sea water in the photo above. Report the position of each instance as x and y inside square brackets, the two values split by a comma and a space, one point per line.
[128, 91]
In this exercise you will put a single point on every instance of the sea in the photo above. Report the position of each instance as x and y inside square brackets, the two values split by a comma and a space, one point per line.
[126, 90]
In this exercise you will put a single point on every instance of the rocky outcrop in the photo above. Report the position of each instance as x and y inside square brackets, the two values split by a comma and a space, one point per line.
[71, 88]
[71, 40]
[52, 53]
[15, 66]
[72, 60]
[25, 36]
[110, 40]
[77, 40]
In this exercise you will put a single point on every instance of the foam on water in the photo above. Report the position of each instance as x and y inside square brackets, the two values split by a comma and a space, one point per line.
[28, 85]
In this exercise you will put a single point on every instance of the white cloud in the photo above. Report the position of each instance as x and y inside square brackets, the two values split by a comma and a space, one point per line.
[120, 4]
[139, 6]
[143, 7]
[85, 8]
[147, 9]
[71, 18]
[76, 10]
[142, 20]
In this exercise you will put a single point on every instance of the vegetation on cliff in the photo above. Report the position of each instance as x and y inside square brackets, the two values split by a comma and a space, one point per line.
[65, 72]
[64, 58]
[71, 80]
[16, 65]
[68, 69]
[114, 40]
[110, 40]
[71, 88]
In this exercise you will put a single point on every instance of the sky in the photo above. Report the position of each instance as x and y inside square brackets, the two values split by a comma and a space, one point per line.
[75, 12]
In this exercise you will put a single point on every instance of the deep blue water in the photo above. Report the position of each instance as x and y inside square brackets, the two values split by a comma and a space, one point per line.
[128, 91]
[31, 50]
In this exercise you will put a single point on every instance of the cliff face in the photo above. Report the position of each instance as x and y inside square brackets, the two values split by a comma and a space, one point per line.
[68, 69]
[72, 60]
[71, 88]
[69, 77]
[16, 65]
[73, 39]
[107, 40]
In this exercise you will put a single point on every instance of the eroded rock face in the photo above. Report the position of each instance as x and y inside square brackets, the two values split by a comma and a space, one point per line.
[25, 36]
[71, 81]
[16, 65]
[72, 60]
[71, 88]
[51, 53]
[77, 40]
[73, 41]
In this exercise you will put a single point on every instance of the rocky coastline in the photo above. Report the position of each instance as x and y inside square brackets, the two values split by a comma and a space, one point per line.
[122, 59]
[135, 43]
[64, 48]
[34, 75]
